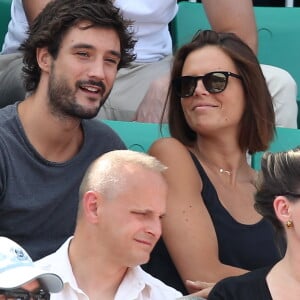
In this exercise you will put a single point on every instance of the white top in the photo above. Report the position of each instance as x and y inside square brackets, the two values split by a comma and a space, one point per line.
[151, 27]
[17, 28]
[136, 285]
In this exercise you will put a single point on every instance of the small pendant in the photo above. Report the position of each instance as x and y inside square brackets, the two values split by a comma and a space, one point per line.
[225, 171]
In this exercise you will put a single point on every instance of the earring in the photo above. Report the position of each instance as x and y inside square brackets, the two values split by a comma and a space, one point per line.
[289, 224]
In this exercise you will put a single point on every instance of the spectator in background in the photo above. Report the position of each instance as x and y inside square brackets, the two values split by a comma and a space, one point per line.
[46, 141]
[277, 200]
[219, 107]
[140, 90]
[20, 278]
[122, 200]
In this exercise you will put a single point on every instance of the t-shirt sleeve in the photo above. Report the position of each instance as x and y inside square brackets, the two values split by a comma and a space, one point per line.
[3, 168]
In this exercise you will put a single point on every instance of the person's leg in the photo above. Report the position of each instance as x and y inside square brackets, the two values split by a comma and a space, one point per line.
[283, 89]
[11, 82]
[130, 88]
[151, 108]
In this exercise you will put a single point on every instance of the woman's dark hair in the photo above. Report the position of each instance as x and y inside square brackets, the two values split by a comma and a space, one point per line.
[279, 176]
[51, 25]
[258, 121]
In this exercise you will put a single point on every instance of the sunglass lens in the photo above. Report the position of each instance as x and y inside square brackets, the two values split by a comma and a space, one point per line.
[215, 82]
[184, 86]
[15, 295]
[42, 295]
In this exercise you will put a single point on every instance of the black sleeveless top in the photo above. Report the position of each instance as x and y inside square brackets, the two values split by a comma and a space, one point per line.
[244, 246]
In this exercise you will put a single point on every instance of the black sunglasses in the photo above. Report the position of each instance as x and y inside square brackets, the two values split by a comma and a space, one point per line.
[21, 294]
[214, 82]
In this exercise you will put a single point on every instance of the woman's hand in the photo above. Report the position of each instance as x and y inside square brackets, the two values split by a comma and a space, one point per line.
[199, 288]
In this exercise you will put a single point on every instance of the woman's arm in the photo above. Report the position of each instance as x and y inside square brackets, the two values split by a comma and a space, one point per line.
[233, 16]
[188, 231]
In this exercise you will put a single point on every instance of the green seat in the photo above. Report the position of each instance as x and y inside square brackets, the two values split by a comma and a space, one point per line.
[278, 33]
[298, 116]
[137, 136]
[279, 43]
[190, 18]
[285, 139]
[4, 19]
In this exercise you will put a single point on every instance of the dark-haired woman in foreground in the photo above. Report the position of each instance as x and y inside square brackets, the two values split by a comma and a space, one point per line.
[277, 200]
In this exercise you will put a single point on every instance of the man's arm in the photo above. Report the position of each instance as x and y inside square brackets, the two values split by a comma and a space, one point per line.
[233, 16]
[33, 7]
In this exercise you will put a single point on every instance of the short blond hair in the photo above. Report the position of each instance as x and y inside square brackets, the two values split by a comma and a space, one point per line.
[108, 172]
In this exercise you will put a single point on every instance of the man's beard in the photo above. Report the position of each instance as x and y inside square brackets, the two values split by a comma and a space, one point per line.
[63, 102]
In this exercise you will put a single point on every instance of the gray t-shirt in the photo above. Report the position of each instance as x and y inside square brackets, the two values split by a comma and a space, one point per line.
[39, 198]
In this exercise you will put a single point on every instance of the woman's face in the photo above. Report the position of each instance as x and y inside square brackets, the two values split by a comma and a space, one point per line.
[207, 112]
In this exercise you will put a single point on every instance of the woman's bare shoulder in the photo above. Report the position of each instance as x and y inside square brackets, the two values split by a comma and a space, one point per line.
[168, 145]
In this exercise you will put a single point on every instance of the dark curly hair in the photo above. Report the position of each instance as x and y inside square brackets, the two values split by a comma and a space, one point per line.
[51, 25]
[258, 121]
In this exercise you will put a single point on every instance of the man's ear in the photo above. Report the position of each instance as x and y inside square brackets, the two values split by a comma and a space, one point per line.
[44, 59]
[91, 204]
[282, 208]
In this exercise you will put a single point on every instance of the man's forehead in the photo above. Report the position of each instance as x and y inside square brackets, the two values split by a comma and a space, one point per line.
[78, 34]
[85, 25]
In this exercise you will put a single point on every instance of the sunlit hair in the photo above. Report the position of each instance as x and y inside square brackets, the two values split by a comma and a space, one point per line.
[279, 176]
[110, 173]
[58, 17]
[258, 121]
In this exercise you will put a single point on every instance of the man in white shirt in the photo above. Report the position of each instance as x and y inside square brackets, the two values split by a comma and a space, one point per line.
[122, 200]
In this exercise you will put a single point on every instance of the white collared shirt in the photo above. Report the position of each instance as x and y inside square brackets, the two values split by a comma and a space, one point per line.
[136, 285]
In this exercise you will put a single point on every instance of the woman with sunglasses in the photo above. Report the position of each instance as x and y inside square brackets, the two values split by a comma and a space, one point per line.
[219, 108]
[278, 200]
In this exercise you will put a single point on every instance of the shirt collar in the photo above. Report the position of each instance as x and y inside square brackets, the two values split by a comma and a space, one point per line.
[134, 283]
[63, 266]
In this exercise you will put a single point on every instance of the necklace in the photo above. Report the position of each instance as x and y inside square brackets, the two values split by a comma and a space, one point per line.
[225, 172]
[221, 170]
